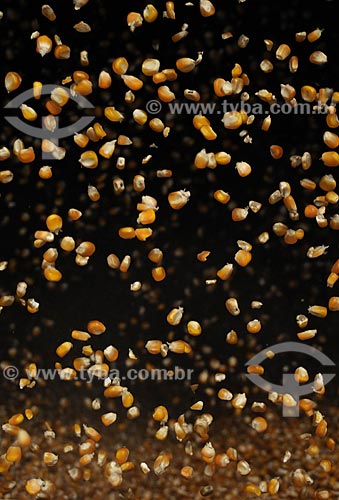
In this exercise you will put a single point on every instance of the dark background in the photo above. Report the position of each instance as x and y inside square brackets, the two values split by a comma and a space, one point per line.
[280, 276]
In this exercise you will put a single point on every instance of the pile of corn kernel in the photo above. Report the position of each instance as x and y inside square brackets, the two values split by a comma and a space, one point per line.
[227, 439]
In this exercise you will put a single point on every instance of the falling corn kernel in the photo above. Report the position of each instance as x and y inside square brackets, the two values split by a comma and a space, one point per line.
[178, 199]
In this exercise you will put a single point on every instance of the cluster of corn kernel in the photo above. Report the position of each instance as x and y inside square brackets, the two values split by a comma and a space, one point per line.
[194, 434]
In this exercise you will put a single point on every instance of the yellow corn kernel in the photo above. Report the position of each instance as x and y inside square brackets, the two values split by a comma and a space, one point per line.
[13, 454]
[308, 93]
[259, 424]
[67, 243]
[33, 486]
[150, 13]
[208, 453]
[225, 272]
[243, 257]
[45, 172]
[255, 369]
[108, 418]
[60, 96]
[52, 274]
[200, 121]
[143, 234]
[160, 414]
[107, 149]
[150, 67]
[80, 335]
[332, 197]
[178, 199]
[113, 261]
[125, 264]
[276, 151]
[208, 132]
[6, 176]
[239, 214]
[113, 114]
[175, 315]
[54, 223]
[318, 57]
[86, 249]
[283, 51]
[239, 401]
[127, 233]
[332, 120]
[266, 123]
[64, 349]
[266, 66]
[165, 94]
[253, 326]
[187, 471]
[26, 155]
[232, 337]
[202, 256]
[132, 82]
[134, 20]
[43, 45]
[232, 306]
[180, 347]
[74, 214]
[89, 159]
[48, 12]
[157, 125]
[222, 158]
[194, 328]
[105, 80]
[330, 158]
[158, 273]
[120, 65]
[207, 9]
[28, 113]
[155, 255]
[192, 95]
[232, 120]
[12, 81]
[243, 168]
[96, 327]
[314, 35]
[319, 311]
[153, 346]
[333, 303]
[84, 87]
[62, 52]
[185, 64]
